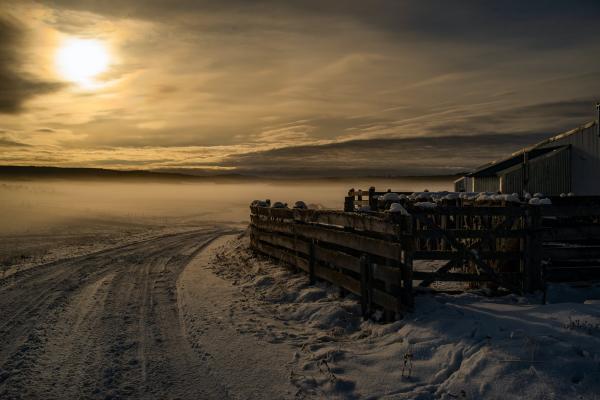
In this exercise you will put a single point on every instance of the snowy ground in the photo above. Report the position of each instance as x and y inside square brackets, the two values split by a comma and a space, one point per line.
[150, 313]
[78, 236]
[102, 325]
[143, 291]
[462, 346]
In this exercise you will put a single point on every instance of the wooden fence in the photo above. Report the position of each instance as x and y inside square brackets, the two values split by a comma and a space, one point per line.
[570, 240]
[365, 255]
[373, 255]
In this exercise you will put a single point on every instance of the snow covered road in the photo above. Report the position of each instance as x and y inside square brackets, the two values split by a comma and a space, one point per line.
[105, 325]
[196, 315]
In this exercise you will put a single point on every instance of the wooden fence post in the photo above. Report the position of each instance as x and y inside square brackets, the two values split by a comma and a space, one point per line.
[349, 203]
[365, 303]
[524, 249]
[407, 270]
[372, 199]
[536, 251]
[311, 263]
[390, 287]
[544, 285]
[253, 239]
[532, 274]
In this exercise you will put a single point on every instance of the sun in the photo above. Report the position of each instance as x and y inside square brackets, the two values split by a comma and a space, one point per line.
[81, 60]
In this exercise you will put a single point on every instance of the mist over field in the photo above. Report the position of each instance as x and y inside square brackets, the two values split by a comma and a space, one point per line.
[143, 290]
[31, 206]
[44, 220]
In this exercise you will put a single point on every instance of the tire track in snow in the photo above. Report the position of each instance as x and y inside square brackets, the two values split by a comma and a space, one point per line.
[31, 296]
[57, 271]
[75, 328]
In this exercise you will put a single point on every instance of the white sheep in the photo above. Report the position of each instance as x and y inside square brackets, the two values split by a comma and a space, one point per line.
[259, 203]
[300, 205]
[397, 208]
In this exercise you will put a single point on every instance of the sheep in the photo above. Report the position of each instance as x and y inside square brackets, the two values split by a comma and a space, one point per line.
[259, 203]
[300, 205]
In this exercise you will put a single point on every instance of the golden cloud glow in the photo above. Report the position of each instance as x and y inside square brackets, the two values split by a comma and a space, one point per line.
[81, 60]
[157, 85]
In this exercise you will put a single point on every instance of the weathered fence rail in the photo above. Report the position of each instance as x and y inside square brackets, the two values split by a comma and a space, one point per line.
[570, 237]
[373, 255]
[365, 255]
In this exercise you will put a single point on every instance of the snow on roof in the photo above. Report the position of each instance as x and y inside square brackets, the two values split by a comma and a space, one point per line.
[564, 134]
[516, 158]
[533, 151]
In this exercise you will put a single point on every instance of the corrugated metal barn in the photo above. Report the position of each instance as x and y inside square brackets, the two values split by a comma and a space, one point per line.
[568, 162]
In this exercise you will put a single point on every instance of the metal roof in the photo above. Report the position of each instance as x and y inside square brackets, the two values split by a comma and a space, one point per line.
[494, 167]
[533, 151]
[564, 135]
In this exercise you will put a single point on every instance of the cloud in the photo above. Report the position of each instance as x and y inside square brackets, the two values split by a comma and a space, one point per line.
[568, 109]
[538, 23]
[16, 86]
[10, 143]
[425, 155]
[128, 163]
[407, 156]
[321, 87]
[7, 141]
[553, 116]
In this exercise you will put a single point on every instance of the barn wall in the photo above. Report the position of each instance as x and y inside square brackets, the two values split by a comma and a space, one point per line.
[464, 184]
[549, 174]
[512, 181]
[469, 182]
[487, 184]
[585, 159]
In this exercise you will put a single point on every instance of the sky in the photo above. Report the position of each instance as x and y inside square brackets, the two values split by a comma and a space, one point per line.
[269, 87]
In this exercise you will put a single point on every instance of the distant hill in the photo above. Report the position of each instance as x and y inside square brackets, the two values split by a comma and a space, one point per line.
[30, 172]
[181, 175]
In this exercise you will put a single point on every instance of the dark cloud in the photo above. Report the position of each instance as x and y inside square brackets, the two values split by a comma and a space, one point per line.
[553, 116]
[16, 86]
[397, 87]
[132, 163]
[539, 23]
[569, 109]
[398, 157]
[7, 141]
[536, 23]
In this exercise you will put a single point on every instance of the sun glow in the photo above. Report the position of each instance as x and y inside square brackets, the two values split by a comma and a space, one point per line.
[82, 60]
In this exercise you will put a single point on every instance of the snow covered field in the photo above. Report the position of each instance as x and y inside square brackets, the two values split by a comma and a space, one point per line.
[34, 206]
[462, 346]
[111, 292]
[42, 221]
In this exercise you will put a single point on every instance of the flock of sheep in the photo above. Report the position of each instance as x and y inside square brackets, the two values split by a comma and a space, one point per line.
[395, 203]
[267, 203]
